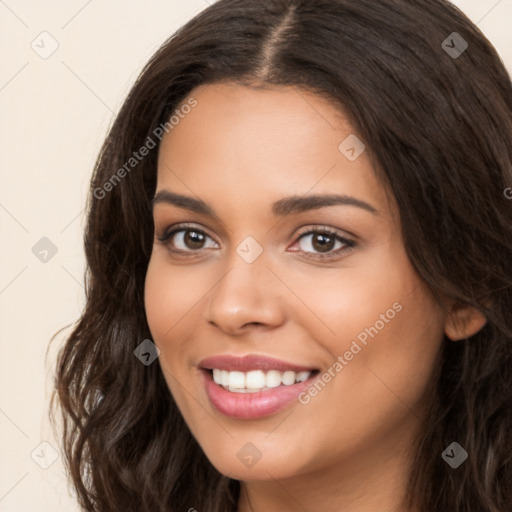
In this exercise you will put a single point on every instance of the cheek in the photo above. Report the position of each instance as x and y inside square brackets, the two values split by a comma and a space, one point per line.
[388, 330]
[381, 293]
[170, 294]
[385, 325]
[168, 300]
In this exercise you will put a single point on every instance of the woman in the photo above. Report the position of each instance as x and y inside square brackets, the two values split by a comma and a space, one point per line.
[299, 284]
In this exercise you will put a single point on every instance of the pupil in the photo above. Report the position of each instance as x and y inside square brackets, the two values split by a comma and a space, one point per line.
[194, 238]
[323, 247]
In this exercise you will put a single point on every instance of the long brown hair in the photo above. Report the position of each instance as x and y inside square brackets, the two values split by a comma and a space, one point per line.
[436, 118]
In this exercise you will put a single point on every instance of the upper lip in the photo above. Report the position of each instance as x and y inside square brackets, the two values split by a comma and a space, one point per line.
[251, 362]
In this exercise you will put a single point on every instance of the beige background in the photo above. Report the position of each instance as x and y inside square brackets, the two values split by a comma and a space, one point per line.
[55, 113]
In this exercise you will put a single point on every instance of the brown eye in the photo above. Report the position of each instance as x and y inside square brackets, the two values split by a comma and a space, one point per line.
[323, 243]
[186, 240]
[193, 239]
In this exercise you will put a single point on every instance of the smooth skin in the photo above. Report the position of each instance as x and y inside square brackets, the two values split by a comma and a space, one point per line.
[240, 150]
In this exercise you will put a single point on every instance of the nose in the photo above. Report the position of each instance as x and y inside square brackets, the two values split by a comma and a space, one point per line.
[247, 295]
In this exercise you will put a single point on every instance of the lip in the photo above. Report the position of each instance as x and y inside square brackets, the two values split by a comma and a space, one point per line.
[251, 406]
[251, 362]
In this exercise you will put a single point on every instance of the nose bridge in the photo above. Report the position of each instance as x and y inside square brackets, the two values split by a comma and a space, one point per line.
[246, 292]
[247, 275]
[247, 263]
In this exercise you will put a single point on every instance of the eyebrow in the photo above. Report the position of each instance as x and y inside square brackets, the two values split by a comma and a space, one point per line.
[286, 206]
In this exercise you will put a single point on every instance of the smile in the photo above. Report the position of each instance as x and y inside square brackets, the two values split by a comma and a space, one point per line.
[253, 386]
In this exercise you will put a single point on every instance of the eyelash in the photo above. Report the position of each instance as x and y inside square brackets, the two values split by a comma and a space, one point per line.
[348, 244]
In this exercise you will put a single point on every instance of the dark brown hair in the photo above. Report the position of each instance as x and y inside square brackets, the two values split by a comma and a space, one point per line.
[438, 130]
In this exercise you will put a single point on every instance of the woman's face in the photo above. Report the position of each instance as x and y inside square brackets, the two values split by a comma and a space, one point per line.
[245, 277]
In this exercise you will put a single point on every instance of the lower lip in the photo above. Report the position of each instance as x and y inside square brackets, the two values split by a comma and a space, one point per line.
[250, 406]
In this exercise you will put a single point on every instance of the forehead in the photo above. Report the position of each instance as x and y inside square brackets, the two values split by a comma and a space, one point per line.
[248, 146]
[278, 118]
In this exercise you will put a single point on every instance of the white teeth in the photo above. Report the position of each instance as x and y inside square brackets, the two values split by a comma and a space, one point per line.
[217, 375]
[288, 378]
[236, 380]
[257, 380]
[302, 376]
[273, 379]
[221, 377]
